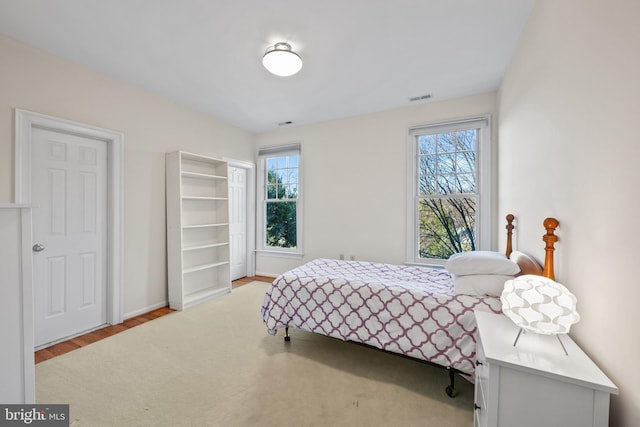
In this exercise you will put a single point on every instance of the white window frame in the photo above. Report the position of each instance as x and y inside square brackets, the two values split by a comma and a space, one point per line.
[483, 221]
[263, 154]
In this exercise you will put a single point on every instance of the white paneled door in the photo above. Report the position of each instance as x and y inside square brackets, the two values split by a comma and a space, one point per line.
[238, 221]
[69, 190]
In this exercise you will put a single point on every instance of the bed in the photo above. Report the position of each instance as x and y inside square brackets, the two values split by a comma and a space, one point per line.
[414, 311]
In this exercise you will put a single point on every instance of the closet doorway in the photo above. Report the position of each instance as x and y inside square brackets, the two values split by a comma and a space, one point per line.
[241, 218]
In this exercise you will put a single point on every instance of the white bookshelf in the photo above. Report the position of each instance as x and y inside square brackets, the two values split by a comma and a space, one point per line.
[197, 229]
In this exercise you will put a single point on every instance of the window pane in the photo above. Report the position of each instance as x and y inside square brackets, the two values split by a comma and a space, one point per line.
[281, 225]
[466, 162]
[446, 226]
[447, 184]
[282, 177]
[427, 144]
[447, 143]
[291, 191]
[272, 191]
[447, 163]
[447, 167]
[466, 183]
[292, 176]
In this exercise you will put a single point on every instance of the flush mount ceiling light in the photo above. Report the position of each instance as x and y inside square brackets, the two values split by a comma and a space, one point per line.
[280, 60]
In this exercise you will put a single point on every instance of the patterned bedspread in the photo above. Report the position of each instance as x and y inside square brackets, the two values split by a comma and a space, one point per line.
[409, 310]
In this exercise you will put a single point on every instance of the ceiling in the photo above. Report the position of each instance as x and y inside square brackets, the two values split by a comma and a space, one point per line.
[360, 56]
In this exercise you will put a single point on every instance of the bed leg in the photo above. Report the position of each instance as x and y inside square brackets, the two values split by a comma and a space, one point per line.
[451, 390]
[287, 338]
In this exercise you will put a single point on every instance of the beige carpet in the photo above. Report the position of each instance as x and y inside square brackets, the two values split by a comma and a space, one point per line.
[215, 365]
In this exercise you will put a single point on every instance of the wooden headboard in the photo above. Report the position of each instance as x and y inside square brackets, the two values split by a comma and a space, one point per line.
[527, 264]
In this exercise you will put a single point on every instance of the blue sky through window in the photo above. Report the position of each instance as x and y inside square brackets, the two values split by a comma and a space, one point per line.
[282, 177]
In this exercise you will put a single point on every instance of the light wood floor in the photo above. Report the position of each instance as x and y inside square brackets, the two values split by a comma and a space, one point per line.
[97, 335]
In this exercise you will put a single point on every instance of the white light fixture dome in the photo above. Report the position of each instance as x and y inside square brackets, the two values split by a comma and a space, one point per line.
[281, 60]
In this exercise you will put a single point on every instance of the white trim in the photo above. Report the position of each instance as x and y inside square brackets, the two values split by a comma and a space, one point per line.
[27, 307]
[448, 126]
[25, 121]
[19, 315]
[5, 205]
[280, 254]
[63, 339]
[279, 150]
[411, 224]
[485, 236]
[251, 210]
[270, 275]
[145, 310]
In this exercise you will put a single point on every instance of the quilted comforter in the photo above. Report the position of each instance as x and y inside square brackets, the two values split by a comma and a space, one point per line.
[411, 310]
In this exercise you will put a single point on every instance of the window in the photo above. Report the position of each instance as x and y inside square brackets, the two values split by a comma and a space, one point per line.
[280, 199]
[449, 197]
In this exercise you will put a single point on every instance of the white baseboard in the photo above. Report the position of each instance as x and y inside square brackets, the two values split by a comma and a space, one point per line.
[145, 310]
[271, 275]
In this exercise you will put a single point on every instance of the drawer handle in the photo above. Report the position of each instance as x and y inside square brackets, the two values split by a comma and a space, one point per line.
[478, 363]
[476, 407]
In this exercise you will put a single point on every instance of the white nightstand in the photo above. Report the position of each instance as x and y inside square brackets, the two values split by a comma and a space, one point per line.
[535, 383]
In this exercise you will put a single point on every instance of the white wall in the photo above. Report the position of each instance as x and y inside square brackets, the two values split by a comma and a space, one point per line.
[36, 81]
[569, 148]
[355, 180]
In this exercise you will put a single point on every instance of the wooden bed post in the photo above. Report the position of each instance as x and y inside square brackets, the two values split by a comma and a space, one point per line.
[509, 227]
[550, 239]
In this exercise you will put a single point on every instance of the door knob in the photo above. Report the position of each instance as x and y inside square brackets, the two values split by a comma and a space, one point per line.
[38, 247]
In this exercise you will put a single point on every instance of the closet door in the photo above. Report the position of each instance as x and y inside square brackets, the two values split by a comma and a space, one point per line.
[238, 221]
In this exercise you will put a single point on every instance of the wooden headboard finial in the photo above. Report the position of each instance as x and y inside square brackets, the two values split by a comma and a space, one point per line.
[550, 224]
[509, 227]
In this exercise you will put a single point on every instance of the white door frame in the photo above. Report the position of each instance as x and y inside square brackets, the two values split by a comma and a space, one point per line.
[251, 210]
[25, 121]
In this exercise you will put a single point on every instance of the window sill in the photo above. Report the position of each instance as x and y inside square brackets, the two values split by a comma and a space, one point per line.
[431, 263]
[280, 254]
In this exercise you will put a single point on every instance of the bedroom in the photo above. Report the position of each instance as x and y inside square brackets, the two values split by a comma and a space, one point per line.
[563, 126]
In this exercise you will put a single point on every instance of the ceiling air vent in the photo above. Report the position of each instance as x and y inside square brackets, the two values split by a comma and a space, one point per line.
[420, 98]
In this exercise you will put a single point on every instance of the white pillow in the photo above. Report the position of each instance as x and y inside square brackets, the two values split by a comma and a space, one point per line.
[480, 262]
[481, 284]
